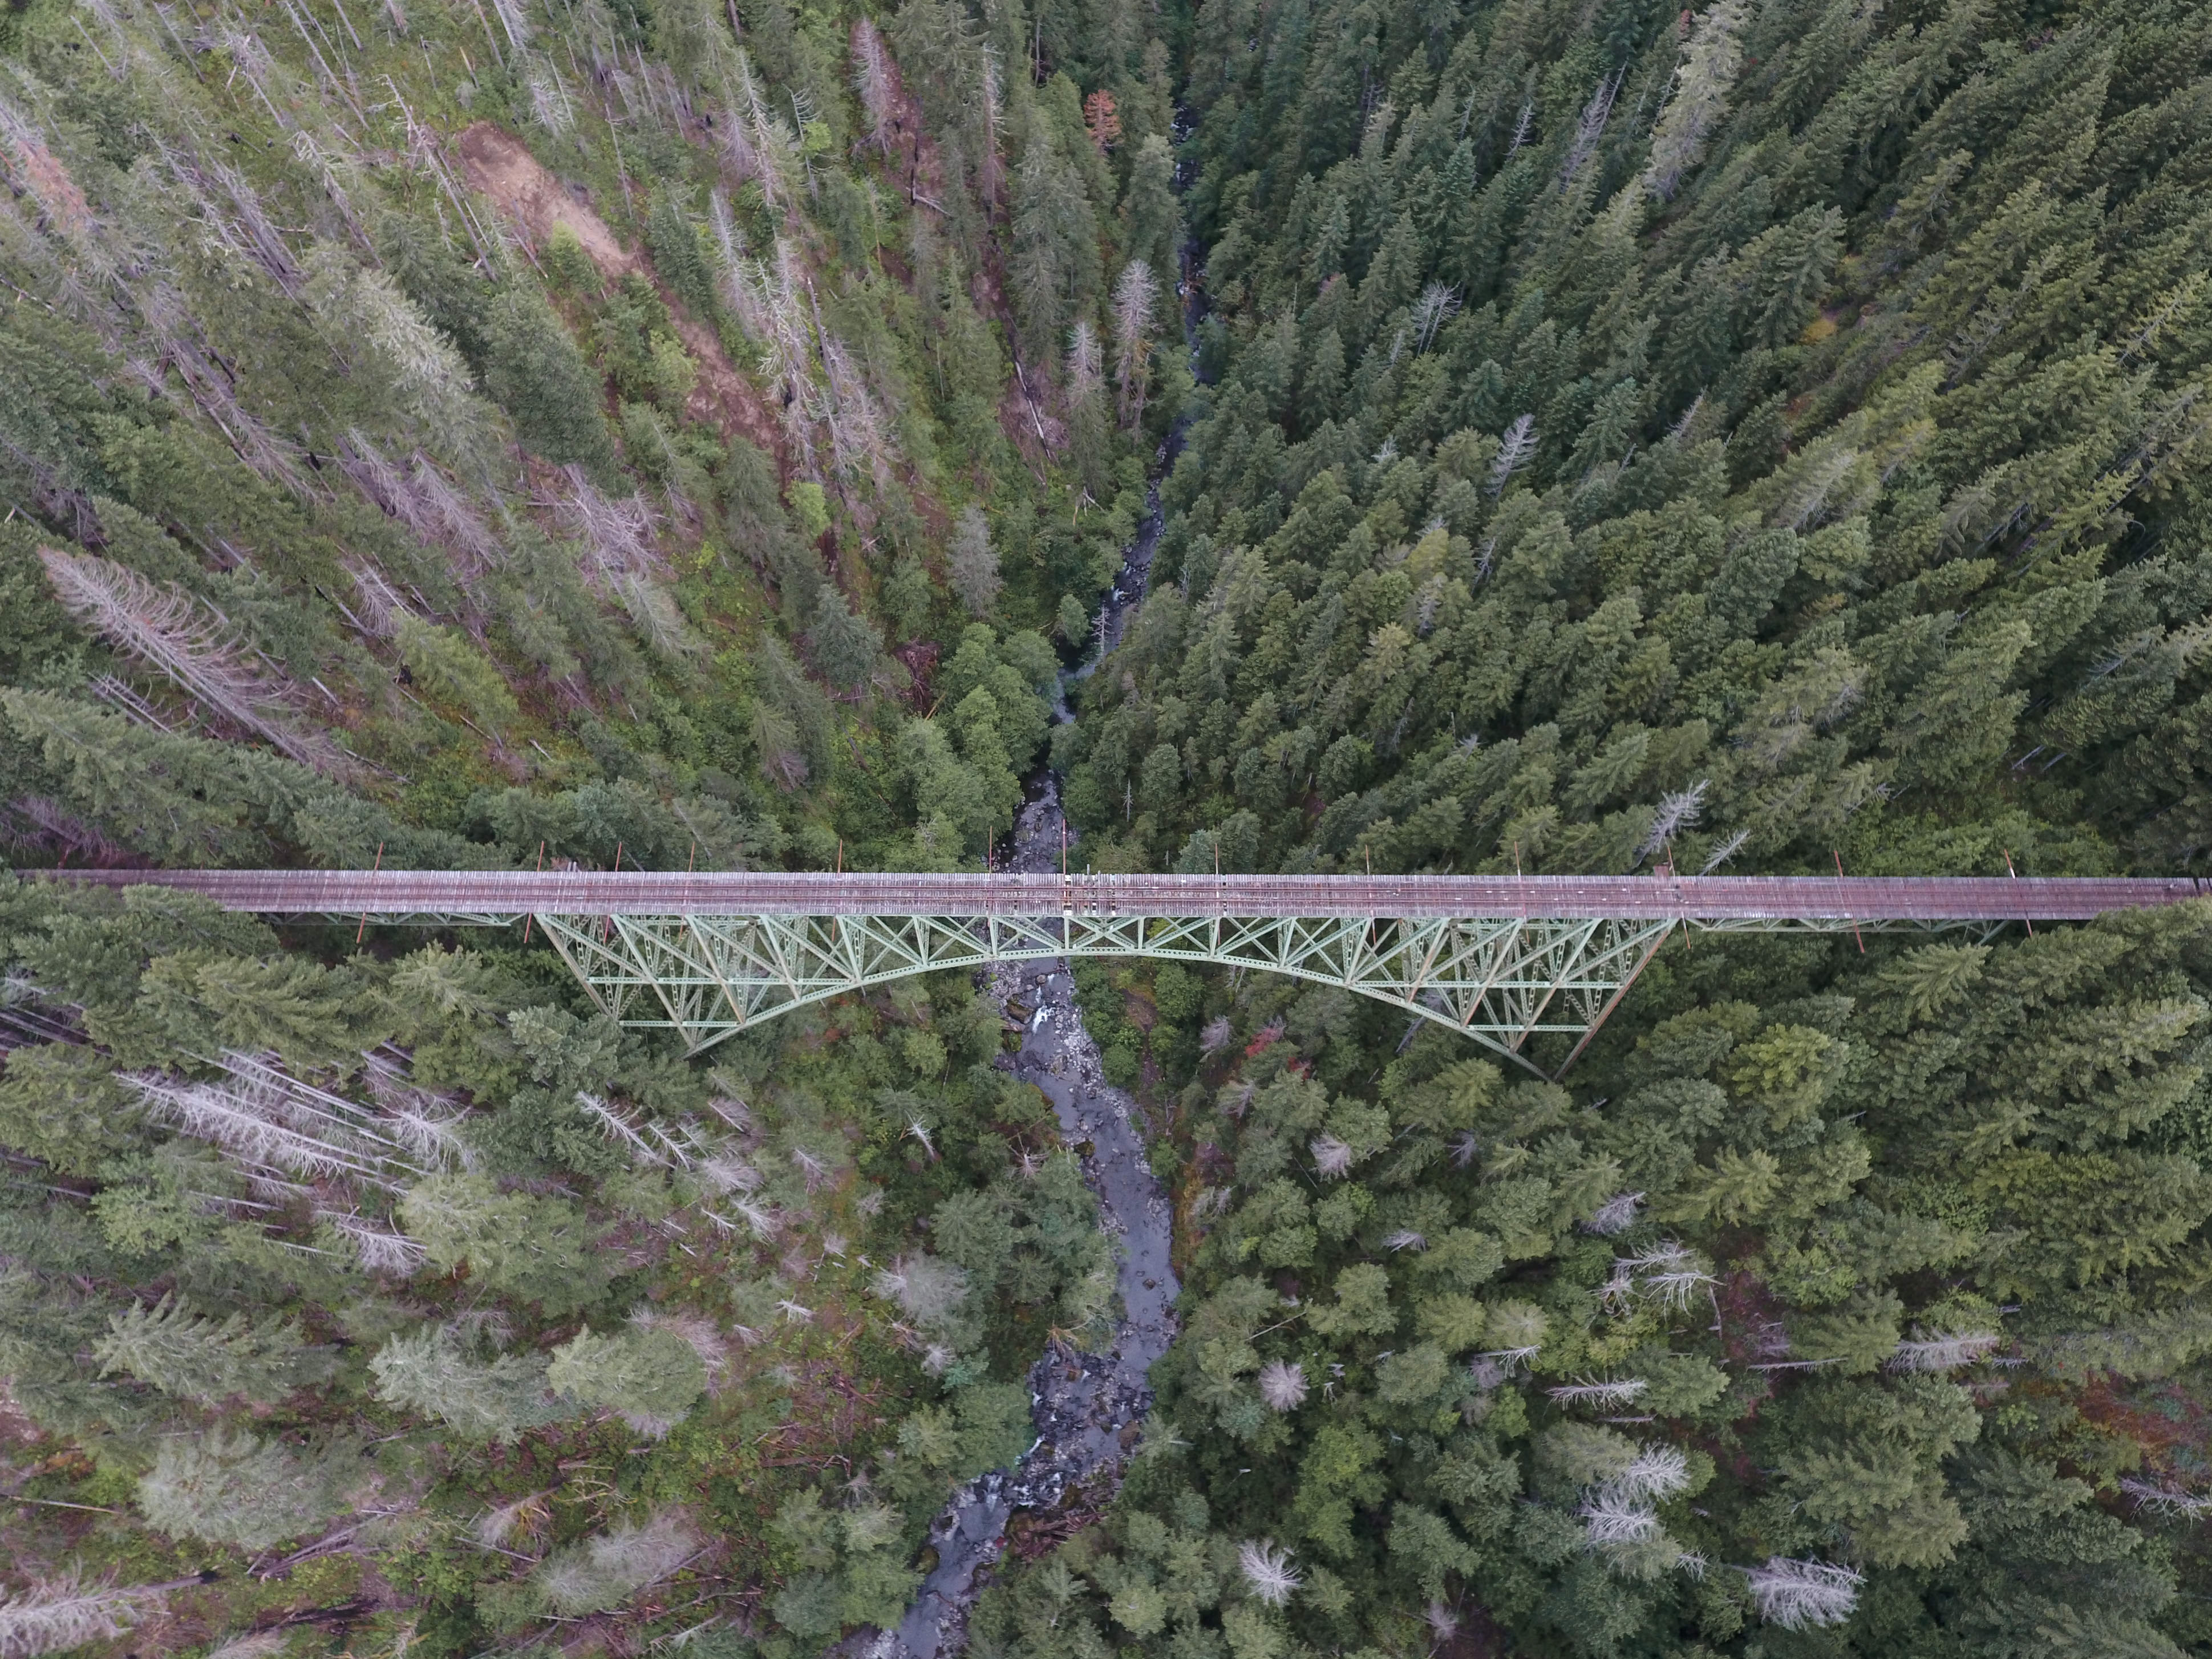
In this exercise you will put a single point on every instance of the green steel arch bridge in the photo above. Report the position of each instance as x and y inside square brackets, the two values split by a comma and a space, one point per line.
[1499, 959]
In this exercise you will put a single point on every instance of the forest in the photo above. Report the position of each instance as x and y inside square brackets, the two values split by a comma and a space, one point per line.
[1556, 436]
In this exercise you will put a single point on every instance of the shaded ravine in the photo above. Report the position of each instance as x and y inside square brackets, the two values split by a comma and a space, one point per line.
[1134, 579]
[1087, 1407]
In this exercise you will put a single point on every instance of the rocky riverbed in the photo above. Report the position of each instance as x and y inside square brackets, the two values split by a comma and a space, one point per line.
[1088, 1407]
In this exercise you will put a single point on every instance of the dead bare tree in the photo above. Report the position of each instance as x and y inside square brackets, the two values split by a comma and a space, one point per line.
[380, 605]
[189, 640]
[876, 79]
[65, 1612]
[859, 436]
[1085, 374]
[755, 143]
[420, 497]
[770, 301]
[618, 535]
[1136, 291]
[272, 1123]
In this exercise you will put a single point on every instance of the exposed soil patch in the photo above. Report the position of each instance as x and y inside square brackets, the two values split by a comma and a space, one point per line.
[2173, 1430]
[911, 150]
[49, 181]
[501, 166]
[721, 395]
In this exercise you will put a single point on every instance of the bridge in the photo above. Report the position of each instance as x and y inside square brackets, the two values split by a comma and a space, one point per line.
[1499, 959]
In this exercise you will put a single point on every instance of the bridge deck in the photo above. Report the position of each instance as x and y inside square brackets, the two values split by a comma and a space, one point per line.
[1706, 899]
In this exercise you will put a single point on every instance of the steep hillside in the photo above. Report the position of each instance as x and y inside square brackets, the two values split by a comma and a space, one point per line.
[668, 436]
[1758, 434]
[1749, 438]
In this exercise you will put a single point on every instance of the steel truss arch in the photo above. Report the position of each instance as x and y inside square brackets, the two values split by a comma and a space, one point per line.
[1499, 959]
[1499, 981]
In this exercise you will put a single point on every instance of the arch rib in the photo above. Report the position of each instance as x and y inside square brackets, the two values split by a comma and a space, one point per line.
[1499, 982]
[1499, 959]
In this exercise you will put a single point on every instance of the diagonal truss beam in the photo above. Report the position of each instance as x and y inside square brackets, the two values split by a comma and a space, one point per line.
[1501, 960]
[1500, 981]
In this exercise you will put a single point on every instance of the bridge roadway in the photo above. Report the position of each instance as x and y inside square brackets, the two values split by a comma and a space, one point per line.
[1819, 901]
[1505, 960]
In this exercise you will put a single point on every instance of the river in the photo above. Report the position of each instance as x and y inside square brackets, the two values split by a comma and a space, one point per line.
[1088, 1408]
